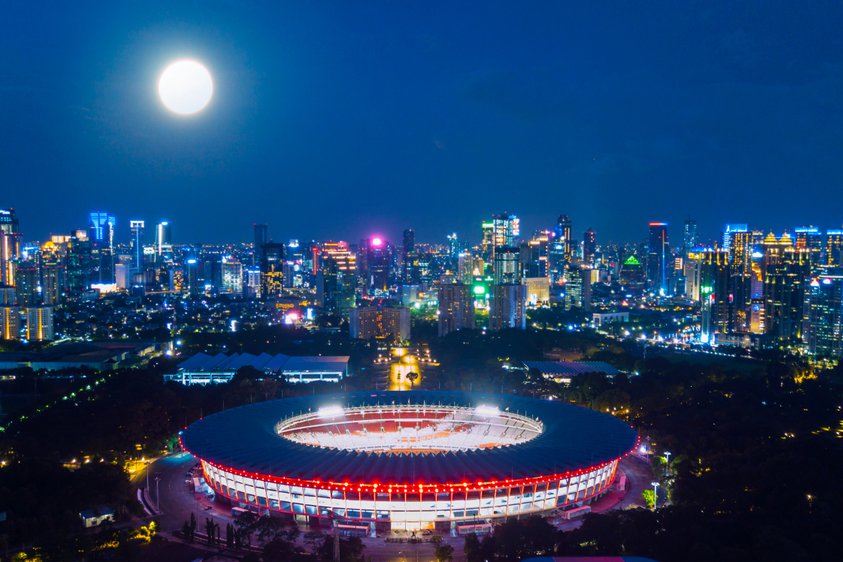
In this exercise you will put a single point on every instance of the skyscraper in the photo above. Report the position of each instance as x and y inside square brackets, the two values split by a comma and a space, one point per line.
[508, 307]
[163, 242]
[689, 235]
[824, 315]
[10, 238]
[39, 323]
[261, 234]
[589, 246]
[272, 269]
[834, 247]
[136, 227]
[456, 306]
[563, 231]
[658, 256]
[729, 231]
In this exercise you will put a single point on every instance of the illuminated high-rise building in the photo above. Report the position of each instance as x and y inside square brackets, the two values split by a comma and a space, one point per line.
[824, 315]
[336, 277]
[716, 303]
[380, 322]
[232, 275]
[39, 323]
[689, 235]
[729, 231]
[82, 264]
[28, 288]
[786, 272]
[506, 228]
[272, 270]
[564, 232]
[743, 245]
[9, 314]
[261, 236]
[375, 263]
[658, 256]
[163, 240]
[834, 247]
[534, 255]
[10, 239]
[136, 228]
[589, 246]
[507, 267]
[456, 306]
[810, 239]
[508, 307]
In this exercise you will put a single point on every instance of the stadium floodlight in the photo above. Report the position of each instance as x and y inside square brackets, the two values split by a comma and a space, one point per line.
[330, 411]
[484, 410]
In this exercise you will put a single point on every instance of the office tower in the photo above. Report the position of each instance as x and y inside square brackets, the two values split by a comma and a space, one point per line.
[409, 241]
[506, 228]
[53, 273]
[253, 282]
[658, 256]
[506, 265]
[743, 245]
[101, 234]
[9, 322]
[810, 239]
[556, 258]
[163, 241]
[82, 264]
[689, 235]
[456, 306]
[232, 275]
[508, 307]
[380, 322]
[786, 270]
[10, 238]
[336, 277]
[375, 263]
[101, 228]
[729, 231]
[573, 288]
[534, 255]
[692, 273]
[136, 228]
[9, 314]
[715, 302]
[39, 323]
[834, 247]
[563, 232]
[824, 315]
[271, 267]
[487, 241]
[589, 246]
[538, 290]
[261, 235]
[632, 273]
[454, 250]
[28, 288]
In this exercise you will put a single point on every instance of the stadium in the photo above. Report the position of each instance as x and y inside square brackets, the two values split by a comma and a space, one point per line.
[379, 461]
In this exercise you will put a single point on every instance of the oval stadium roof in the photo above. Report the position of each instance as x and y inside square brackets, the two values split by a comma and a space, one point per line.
[245, 439]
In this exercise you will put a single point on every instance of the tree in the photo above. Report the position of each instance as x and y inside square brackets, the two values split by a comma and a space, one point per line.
[444, 552]
[412, 377]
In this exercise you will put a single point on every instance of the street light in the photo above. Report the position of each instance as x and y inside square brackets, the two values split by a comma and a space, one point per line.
[667, 456]
[655, 486]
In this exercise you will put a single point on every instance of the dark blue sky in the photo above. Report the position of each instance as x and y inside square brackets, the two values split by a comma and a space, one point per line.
[348, 118]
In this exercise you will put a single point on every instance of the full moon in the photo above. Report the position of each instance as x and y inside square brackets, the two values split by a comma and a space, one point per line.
[185, 87]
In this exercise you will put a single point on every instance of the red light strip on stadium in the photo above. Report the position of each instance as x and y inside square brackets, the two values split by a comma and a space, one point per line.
[420, 486]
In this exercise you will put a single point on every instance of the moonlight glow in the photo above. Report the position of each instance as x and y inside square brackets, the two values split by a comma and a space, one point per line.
[185, 87]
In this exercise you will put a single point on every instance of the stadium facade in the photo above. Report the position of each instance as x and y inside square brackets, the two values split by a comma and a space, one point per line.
[371, 462]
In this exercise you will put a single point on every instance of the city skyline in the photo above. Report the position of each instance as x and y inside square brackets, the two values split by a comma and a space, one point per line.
[368, 118]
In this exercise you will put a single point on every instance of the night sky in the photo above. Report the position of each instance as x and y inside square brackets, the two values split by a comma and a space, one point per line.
[339, 120]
